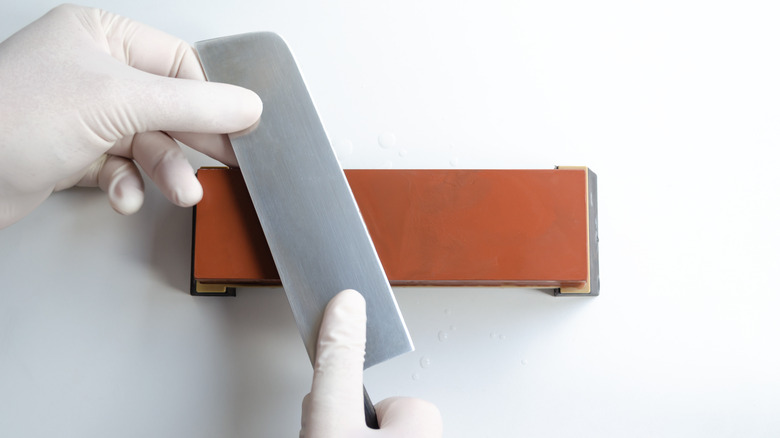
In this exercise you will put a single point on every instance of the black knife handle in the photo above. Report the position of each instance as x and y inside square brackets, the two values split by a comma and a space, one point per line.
[368, 407]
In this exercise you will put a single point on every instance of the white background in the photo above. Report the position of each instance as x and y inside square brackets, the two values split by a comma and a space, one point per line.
[675, 104]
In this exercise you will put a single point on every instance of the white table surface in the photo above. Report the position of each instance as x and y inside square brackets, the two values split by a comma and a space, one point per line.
[676, 106]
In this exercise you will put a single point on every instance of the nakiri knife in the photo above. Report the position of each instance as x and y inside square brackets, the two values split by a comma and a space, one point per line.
[311, 221]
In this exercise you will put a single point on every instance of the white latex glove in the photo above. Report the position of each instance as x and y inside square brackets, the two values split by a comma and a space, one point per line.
[334, 407]
[84, 94]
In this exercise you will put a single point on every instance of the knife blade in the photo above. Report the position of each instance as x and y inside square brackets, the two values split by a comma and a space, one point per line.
[311, 221]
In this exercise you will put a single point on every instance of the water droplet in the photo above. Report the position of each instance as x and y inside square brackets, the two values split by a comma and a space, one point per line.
[502, 337]
[493, 335]
[447, 311]
[524, 362]
[402, 153]
[454, 161]
[453, 328]
[387, 165]
[443, 336]
[387, 140]
[425, 362]
[416, 376]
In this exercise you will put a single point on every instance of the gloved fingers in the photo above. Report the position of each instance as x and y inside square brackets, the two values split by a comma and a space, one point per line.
[216, 146]
[337, 389]
[120, 179]
[196, 106]
[153, 51]
[148, 49]
[163, 160]
[409, 417]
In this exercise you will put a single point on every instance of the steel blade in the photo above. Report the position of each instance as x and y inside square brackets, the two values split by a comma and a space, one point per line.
[311, 221]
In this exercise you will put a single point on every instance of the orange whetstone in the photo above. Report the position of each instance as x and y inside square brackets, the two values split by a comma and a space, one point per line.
[430, 227]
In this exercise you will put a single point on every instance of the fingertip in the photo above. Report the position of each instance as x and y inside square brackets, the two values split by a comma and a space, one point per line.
[347, 305]
[407, 415]
[349, 297]
[345, 316]
[254, 109]
[240, 108]
[188, 196]
[126, 195]
[408, 405]
[249, 110]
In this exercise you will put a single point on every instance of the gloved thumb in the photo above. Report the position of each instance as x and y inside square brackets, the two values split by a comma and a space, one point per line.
[335, 405]
[336, 398]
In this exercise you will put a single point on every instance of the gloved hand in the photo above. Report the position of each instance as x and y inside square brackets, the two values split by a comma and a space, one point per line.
[334, 407]
[86, 95]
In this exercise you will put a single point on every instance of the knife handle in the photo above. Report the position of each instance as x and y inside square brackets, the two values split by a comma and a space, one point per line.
[368, 408]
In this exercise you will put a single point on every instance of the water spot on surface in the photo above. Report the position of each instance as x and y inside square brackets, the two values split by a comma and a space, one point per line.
[386, 140]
